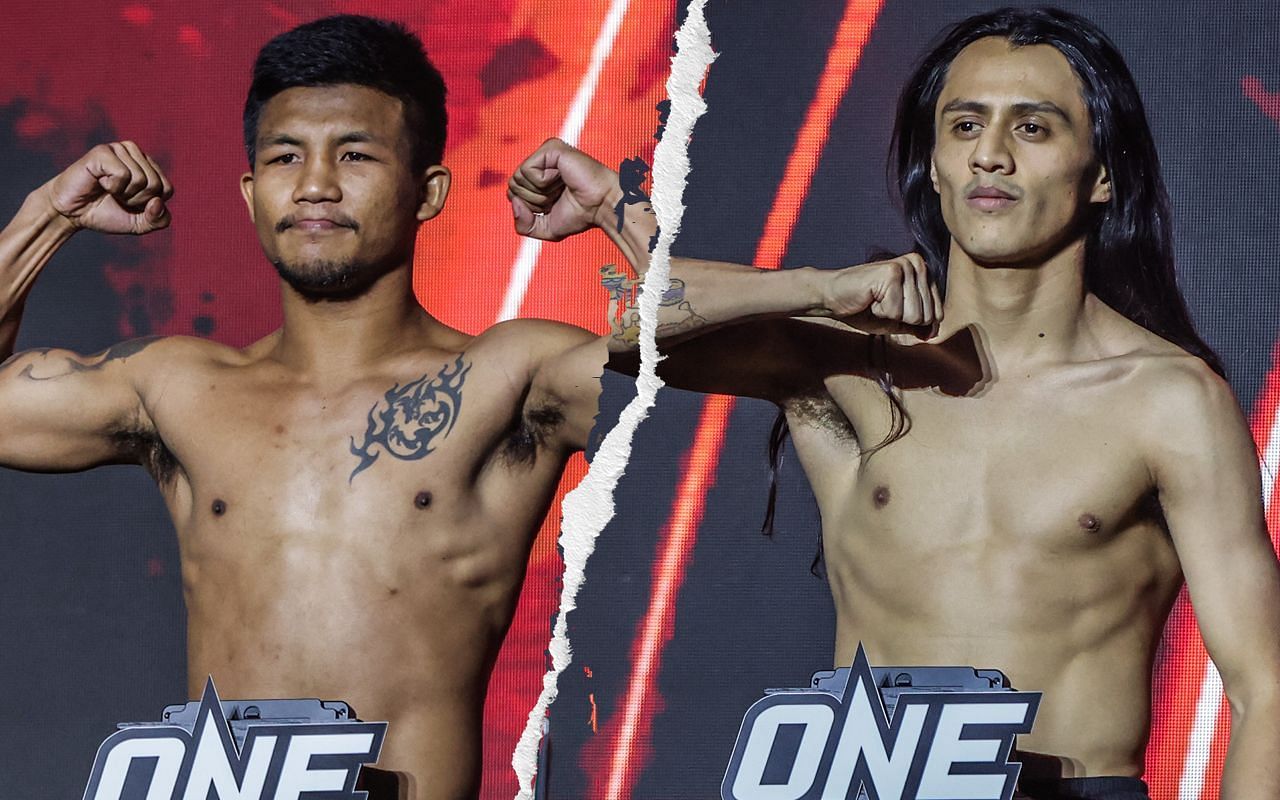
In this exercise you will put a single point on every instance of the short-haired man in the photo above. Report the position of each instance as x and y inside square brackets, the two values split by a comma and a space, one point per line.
[356, 494]
[1025, 481]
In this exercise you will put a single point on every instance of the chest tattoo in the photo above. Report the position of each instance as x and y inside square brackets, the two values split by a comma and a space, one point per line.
[409, 420]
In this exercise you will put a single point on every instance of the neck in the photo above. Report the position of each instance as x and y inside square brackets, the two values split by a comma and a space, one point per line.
[346, 337]
[1026, 314]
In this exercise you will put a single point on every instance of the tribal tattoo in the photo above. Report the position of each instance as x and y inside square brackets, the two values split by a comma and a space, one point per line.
[72, 365]
[624, 293]
[408, 419]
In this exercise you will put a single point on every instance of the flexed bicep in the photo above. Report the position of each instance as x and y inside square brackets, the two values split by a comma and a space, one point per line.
[62, 412]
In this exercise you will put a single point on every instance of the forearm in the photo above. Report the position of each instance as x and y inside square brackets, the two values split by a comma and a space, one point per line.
[1255, 739]
[704, 294]
[26, 245]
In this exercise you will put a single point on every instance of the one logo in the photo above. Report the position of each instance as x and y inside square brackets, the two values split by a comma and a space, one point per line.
[277, 762]
[814, 745]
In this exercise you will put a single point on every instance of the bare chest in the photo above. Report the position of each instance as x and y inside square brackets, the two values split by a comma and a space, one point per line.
[1023, 465]
[380, 465]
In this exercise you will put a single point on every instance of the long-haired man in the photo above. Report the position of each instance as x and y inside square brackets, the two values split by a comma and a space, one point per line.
[1025, 480]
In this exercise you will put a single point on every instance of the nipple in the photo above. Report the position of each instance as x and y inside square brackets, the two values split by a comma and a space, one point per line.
[422, 500]
[1090, 523]
[880, 496]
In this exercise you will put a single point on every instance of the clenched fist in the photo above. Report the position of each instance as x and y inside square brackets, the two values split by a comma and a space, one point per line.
[559, 191]
[114, 188]
[885, 296]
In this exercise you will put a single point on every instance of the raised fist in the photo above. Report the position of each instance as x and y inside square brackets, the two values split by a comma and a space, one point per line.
[892, 296]
[114, 188]
[559, 191]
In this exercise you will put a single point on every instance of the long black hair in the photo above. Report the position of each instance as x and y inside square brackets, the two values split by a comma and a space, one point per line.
[1129, 249]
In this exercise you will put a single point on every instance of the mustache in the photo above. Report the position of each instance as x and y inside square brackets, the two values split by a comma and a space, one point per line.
[974, 184]
[337, 218]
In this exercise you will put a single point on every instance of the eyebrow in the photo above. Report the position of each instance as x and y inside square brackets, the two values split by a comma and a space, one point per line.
[1019, 109]
[346, 138]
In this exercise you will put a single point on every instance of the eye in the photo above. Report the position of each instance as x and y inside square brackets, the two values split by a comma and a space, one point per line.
[1034, 130]
[284, 158]
[966, 127]
[355, 155]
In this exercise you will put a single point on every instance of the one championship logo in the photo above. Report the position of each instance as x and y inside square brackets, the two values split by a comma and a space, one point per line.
[829, 744]
[279, 761]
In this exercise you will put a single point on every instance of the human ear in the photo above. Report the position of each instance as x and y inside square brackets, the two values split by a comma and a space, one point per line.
[246, 191]
[1101, 187]
[434, 190]
[933, 175]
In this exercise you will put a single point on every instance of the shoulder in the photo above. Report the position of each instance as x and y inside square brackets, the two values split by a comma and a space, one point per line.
[530, 342]
[173, 357]
[1167, 380]
[537, 334]
[1179, 388]
[1189, 422]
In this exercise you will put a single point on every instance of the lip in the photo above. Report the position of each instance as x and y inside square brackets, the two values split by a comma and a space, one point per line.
[989, 198]
[317, 225]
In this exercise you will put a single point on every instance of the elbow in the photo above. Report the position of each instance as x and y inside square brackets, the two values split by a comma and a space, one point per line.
[1256, 693]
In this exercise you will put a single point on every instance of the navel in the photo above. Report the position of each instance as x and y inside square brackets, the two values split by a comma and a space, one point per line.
[880, 497]
[422, 500]
[1090, 523]
[219, 507]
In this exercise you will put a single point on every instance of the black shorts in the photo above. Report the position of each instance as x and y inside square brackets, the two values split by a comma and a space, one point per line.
[380, 784]
[1084, 789]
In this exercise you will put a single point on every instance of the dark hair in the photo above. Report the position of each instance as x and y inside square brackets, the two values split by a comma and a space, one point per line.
[371, 52]
[1129, 250]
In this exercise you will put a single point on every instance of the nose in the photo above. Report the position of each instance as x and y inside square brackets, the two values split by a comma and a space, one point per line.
[991, 152]
[317, 182]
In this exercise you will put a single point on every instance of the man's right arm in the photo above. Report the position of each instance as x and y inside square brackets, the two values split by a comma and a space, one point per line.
[559, 191]
[60, 411]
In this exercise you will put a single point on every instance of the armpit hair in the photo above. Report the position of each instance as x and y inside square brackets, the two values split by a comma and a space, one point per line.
[140, 445]
[820, 411]
[530, 433]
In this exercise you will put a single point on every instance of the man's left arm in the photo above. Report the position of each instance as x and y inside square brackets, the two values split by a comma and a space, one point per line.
[1206, 470]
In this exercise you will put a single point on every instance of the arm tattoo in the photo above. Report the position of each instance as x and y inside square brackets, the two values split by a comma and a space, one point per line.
[624, 293]
[409, 418]
[630, 177]
[94, 363]
[10, 361]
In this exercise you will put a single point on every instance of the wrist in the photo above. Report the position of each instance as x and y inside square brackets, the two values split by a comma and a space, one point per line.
[606, 214]
[816, 290]
[41, 210]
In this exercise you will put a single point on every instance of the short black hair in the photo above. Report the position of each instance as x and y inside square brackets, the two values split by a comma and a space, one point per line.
[365, 51]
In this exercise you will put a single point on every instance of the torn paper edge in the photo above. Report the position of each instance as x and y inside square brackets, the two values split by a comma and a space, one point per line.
[589, 507]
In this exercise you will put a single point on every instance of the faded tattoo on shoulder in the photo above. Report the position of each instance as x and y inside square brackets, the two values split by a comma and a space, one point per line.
[624, 295]
[71, 365]
[408, 420]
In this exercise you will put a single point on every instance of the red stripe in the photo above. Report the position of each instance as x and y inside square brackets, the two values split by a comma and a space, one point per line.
[630, 748]
[842, 62]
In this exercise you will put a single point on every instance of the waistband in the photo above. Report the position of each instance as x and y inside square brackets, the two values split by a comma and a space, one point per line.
[1101, 788]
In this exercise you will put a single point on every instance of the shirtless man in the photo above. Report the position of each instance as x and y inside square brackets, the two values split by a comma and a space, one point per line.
[1048, 470]
[375, 553]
